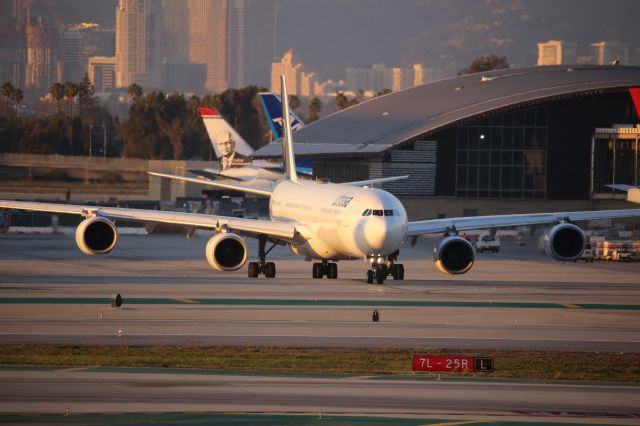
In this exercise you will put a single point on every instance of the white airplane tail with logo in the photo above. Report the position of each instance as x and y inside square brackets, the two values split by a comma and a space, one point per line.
[221, 133]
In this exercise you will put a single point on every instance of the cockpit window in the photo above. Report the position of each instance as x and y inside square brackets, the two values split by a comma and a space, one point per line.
[378, 212]
[367, 212]
[388, 212]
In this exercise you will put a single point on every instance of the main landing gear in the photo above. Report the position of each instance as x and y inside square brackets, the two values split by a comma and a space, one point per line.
[262, 267]
[330, 269]
[380, 269]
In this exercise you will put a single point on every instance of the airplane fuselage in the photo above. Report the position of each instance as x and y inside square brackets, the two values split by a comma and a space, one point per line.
[344, 221]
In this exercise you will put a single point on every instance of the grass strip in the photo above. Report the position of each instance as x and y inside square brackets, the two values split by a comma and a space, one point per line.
[623, 367]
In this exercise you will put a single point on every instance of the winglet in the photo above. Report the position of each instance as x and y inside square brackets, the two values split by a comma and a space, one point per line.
[208, 112]
[288, 159]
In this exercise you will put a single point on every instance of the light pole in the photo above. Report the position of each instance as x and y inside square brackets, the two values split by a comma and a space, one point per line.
[104, 146]
[90, 133]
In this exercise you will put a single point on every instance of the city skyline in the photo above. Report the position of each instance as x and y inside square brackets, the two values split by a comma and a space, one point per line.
[233, 43]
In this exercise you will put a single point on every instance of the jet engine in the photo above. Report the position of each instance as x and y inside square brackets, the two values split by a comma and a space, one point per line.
[453, 255]
[96, 235]
[226, 252]
[564, 241]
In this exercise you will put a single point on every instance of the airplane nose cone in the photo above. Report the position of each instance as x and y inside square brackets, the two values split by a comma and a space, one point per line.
[374, 234]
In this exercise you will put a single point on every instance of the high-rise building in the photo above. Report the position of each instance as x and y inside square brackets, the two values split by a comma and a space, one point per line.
[307, 83]
[217, 37]
[556, 52]
[176, 35]
[13, 49]
[139, 43]
[102, 73]
[42, 52]
[606, 52]
[292, 72]
[400, 78]
[70, 56]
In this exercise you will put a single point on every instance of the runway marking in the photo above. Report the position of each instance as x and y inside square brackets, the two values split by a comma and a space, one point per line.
[328, 336]
[313, 302]
[189, 301]
[458, 423]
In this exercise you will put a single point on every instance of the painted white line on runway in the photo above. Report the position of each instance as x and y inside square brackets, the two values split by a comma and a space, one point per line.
[322, 337]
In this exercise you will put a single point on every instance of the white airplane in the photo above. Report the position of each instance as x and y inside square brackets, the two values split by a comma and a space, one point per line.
[326, 222]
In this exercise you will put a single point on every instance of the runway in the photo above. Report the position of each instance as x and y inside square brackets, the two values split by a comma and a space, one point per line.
[51, 293]
[104, 390]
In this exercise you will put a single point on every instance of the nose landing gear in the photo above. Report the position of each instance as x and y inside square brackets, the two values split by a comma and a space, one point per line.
[380, 269]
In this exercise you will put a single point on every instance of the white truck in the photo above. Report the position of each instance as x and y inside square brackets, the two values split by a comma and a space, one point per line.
[487, 243]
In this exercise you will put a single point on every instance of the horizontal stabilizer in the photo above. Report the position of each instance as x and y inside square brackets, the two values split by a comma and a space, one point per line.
[376, 181]
[213, 176]
[218, 184]
[633, 192]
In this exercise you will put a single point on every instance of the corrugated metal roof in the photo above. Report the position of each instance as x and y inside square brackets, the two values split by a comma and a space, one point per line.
[380, 123]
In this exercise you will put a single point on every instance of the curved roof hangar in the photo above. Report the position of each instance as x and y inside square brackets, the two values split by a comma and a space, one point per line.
[378, 124]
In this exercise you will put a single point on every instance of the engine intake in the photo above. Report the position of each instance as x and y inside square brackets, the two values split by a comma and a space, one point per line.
[96, 235]
[564, 242]
[226, 252]
[454, 255]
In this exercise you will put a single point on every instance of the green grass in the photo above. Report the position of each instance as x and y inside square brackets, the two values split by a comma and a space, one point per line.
[509, 364]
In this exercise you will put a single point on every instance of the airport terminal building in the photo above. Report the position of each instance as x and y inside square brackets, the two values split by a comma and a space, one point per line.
[530, 139]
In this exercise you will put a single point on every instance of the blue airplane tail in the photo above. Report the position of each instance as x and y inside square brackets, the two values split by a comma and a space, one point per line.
[272, 108]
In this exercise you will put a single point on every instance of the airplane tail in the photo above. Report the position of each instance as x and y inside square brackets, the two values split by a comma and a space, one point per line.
[220, 133]
[272, 108]
[288, 158]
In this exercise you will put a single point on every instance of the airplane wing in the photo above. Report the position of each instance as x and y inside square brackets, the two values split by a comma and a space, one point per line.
[633, 192]
[375, 181]
[285, 231]
[265, 192]
[435, 226]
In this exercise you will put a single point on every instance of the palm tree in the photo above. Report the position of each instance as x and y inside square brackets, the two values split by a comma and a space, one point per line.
[135, 91]
[17, 97]
[57, 93]
[70, 92]
[7, 91]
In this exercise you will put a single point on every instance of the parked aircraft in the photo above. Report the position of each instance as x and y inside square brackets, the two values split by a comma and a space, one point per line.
[272, 108]
[633, 192]
[327, 222]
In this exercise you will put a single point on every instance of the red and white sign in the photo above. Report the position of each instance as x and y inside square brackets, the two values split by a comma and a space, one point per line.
[442, 363]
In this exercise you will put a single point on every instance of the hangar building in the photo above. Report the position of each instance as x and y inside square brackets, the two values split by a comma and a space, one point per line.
[516, 140]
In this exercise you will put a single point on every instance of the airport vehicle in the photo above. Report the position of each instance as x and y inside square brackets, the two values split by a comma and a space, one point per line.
[326, 222]
[588, 254]
[488, 243]
[272, 108]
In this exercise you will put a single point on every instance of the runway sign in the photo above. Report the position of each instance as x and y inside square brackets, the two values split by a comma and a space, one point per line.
[451, 363]
[442, 363]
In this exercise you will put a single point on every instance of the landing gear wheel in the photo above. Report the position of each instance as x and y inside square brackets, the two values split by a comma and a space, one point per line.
[369, 277]
[380, 276]
[333, 271]
[253, 270]
[398, 272]
[316, 271]
[270, 270]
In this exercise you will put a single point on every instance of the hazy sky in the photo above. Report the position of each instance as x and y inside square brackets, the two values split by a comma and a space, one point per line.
[328, 35]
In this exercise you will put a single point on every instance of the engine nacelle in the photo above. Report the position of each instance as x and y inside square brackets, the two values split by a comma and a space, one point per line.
[564, 241]
[454, 255]
[226, 252]
[96, 235]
